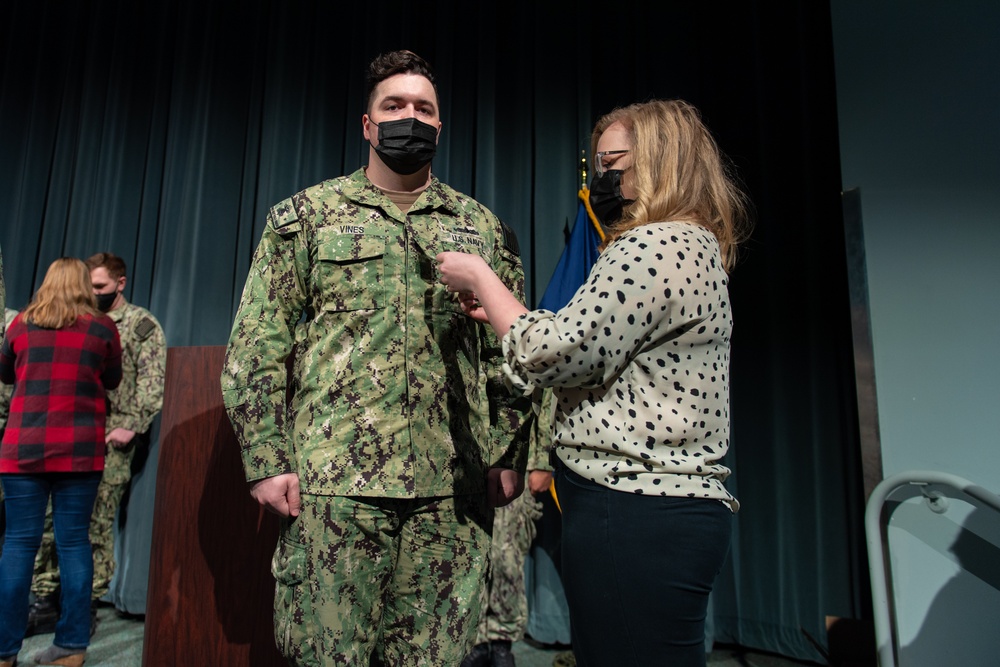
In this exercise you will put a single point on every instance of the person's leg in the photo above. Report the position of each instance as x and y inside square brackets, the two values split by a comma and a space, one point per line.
[117, 473]
[25, 497]
[73, 497]
[505, 617]
[45, 580]
[508, 607]
[44, 613]
[638, 571]
[439, 584]
[331, 565]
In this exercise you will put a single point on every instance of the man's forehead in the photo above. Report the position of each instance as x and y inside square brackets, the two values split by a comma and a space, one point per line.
[99, 273]
[408, 86]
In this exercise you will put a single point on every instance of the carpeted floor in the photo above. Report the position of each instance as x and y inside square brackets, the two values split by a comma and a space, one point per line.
[118, 643]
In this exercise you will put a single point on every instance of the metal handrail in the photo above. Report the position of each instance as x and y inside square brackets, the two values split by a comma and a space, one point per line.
[885, 634]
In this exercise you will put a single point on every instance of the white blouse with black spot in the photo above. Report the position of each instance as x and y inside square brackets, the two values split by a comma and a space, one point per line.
[639, 365]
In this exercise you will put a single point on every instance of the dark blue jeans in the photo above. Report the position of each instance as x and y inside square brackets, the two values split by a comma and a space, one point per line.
[638, 570]
[25, 498]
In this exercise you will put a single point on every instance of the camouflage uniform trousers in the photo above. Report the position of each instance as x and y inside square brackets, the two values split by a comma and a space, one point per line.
[386, 581]
[506, 617]
[117, 473]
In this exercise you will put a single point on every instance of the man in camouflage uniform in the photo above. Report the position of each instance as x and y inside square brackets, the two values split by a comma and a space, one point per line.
[132, 408]
[506, 617]
[6, 390]
[3, 294]
[399, 437]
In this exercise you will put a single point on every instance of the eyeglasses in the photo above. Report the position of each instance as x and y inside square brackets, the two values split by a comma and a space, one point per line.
[599, 166]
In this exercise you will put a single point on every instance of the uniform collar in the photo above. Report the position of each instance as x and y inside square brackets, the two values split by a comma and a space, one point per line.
[118, 313]
[437, 195]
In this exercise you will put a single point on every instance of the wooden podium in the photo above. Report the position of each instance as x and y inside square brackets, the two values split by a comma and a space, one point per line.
[210, 586]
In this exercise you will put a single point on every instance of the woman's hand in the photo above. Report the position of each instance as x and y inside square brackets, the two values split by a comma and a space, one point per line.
[471, 307]
[481, 294]
[461, 271]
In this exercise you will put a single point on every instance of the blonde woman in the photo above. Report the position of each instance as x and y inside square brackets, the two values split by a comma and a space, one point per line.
[61, 354]
[639, 365]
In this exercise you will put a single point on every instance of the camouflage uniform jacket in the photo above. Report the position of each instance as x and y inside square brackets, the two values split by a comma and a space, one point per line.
[6, 390]
[3, 295]
[139, 397]
[393, 391]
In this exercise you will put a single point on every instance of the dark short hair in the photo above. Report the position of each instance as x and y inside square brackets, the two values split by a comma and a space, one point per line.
[114, 264]
[393, 63]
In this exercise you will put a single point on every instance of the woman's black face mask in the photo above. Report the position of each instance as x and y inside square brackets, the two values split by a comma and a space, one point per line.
[606, 198]
[406, 145]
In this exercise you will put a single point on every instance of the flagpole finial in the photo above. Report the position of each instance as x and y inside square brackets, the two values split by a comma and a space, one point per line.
[583, 170]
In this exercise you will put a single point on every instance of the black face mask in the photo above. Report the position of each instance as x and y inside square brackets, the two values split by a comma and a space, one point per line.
[606, 198]
[105, 301]
[406, 145]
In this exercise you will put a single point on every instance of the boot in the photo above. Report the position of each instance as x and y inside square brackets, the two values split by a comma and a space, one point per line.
[43, 615]
[9, 661]
[478, 657]
[502, 657]
[564, 659]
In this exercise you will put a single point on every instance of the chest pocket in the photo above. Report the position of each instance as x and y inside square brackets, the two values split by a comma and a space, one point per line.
[349, 271]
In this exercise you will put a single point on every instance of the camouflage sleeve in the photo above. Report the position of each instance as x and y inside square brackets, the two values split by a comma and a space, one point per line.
[509, 426]
[3, 296]
[254, 378]
[540, 437]
[151, 370]
[6, 390]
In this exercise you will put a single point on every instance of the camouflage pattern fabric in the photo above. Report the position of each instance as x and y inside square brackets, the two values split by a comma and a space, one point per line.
[395, 397]
[506, 615]
[139, 397]
[344, 592]
[6, 390]
[132, 405]
[396, 392]
[3, 294]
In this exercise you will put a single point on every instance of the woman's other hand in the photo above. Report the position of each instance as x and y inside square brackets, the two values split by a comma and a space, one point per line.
[461, 271]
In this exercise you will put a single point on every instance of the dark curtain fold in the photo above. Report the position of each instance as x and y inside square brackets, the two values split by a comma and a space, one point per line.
[164, 130]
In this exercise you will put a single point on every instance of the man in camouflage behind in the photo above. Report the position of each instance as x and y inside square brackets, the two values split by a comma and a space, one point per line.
[3, 293]
[132, 408]
[400, 437]
[505, 619]
[6, 390]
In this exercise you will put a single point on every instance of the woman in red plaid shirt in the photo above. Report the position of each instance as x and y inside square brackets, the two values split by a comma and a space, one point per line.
[61, 354]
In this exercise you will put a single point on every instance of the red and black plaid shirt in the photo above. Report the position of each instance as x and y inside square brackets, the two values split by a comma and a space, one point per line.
[56, 421]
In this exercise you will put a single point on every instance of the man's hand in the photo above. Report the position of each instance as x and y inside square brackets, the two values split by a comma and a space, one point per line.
[279, 494]
[539, 481]
[119, 438]
[503, 485]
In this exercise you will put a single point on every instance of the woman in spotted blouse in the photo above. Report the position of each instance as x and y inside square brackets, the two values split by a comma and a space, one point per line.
[639, 364]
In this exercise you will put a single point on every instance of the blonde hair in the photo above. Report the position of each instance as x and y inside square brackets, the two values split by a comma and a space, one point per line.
[678, 173]
[65, 294]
